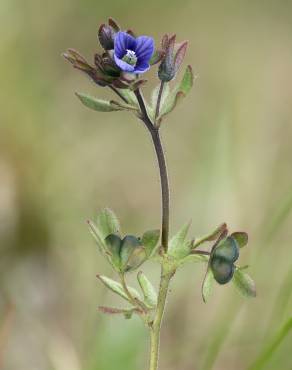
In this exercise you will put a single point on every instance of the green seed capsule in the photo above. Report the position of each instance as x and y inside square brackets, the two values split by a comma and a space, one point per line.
[228, 250]
[222, 270]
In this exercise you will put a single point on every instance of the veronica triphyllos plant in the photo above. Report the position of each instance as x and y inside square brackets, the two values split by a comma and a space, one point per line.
[120, 66]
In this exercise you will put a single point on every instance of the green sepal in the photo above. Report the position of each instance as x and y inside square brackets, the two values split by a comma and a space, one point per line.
[96, 104]
[178, 93]
[149, 293]
[178, 246]
[244, 283]
[150, 241]
[207, 285]
[117, 288]
[241, 238]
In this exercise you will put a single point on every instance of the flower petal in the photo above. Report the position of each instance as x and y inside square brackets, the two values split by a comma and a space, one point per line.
[145, 48]
[124, 41]
[141, 67]
[123, 65]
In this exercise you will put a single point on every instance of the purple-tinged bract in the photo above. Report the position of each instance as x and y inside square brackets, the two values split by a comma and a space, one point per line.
[132, 54]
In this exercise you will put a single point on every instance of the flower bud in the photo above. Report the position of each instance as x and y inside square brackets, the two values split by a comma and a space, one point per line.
[174, 55]
[106, 35]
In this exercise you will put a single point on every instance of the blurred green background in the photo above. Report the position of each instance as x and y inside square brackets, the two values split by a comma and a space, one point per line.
[229, 153]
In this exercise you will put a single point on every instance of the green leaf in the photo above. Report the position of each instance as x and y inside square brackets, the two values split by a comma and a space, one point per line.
[117, 288]
[240, 237]
[178, 246]
[97, 104]
[129, 96]
[164, 96]
[179, 92]
[130, 246]
[207, 285]
[187, 81]
[244, 283]
[150, 241]
[107, 223]
[150, 296]
[97, 237]
[113, 243]
[123, 106]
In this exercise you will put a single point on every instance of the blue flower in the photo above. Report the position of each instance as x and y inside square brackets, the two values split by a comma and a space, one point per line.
[133, 54]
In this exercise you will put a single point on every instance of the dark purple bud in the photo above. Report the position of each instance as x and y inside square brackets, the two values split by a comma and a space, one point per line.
[106, 35]
[180, 54]
[114, 24]
[174, 55]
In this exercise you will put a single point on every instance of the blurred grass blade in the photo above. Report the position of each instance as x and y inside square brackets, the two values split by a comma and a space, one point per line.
[267, 353]
[217, 337]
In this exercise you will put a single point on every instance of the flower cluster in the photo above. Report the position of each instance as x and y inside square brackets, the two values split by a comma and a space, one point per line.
[126, 56]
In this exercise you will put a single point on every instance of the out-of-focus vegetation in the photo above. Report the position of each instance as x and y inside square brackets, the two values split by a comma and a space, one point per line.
[229, 155]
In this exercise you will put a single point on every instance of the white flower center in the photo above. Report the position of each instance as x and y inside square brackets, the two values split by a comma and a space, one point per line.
[130, 57]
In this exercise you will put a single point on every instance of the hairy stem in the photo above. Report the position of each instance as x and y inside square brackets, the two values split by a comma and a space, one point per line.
[159, 99]
[162, 170]
[155, 326]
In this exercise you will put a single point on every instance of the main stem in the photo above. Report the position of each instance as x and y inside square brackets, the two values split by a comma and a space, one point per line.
[155, 326]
